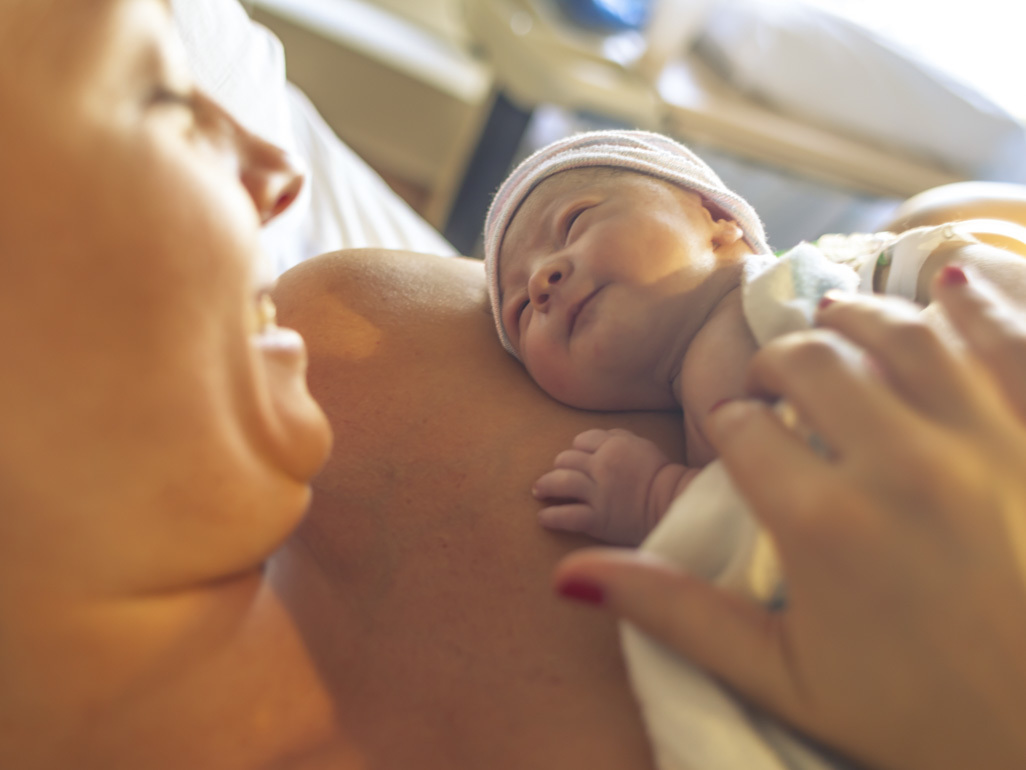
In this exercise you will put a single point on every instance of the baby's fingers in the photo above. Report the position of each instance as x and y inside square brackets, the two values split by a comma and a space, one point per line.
[574, 460]
[591, 440]
[993, 329]
[564, 484]
[572, 517]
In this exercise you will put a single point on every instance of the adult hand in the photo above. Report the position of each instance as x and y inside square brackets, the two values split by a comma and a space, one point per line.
[904, 551]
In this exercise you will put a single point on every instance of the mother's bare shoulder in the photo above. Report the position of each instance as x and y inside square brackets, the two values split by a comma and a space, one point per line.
[421, 575]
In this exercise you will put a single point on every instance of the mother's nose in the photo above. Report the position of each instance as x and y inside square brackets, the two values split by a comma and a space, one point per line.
[268, 174]
[547, 279]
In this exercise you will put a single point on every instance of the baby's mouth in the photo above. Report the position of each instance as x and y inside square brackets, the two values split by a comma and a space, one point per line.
[575, 311]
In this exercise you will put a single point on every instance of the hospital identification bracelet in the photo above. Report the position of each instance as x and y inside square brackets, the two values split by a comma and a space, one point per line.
[907, 253]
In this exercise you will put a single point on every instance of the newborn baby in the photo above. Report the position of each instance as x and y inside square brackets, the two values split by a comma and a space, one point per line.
[615, 261]
[624, 275]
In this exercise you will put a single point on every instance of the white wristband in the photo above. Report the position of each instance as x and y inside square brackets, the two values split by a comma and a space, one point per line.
[907, 253]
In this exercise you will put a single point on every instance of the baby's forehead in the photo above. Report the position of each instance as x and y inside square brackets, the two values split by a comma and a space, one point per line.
[576, 180]
[571, 180]
[530, 216]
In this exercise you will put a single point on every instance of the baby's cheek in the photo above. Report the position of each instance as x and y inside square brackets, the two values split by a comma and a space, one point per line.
[556, 384]
[556, 379]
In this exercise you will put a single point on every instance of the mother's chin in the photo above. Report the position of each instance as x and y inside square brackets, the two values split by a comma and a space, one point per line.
[294, 431]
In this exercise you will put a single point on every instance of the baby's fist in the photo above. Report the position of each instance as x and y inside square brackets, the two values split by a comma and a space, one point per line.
[601, 487]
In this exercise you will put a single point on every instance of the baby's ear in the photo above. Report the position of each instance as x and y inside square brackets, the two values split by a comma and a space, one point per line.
[726, 232]
[714, 212]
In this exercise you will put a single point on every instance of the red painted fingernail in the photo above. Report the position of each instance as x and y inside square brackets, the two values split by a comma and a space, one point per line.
[953, 275]
[826, 301]
[721, 403]
[582, 591]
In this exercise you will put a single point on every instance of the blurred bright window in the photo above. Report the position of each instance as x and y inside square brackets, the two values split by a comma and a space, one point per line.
[980, 42]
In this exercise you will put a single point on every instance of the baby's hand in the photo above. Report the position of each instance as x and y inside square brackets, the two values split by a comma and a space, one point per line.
[603, 486]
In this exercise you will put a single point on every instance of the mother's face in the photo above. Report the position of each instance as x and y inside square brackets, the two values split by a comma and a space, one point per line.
[133, 378]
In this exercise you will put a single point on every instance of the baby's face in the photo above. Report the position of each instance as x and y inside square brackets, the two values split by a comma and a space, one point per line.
[605, 279]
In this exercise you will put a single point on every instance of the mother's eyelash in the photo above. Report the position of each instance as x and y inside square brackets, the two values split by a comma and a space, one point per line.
[169, 96]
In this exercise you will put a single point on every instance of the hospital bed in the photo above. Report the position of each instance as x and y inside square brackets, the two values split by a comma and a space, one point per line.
[841, 154]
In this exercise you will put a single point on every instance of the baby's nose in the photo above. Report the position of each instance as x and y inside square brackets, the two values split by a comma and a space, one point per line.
[546, 280]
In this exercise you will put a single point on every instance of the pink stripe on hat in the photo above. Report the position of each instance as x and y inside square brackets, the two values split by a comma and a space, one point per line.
[640, 151]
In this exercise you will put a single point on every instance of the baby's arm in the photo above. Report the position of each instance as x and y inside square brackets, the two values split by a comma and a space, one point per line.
[612, 485]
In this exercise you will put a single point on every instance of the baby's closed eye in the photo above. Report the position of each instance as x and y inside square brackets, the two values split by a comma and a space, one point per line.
[515, 307]
[521, 307]
[570, 221]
